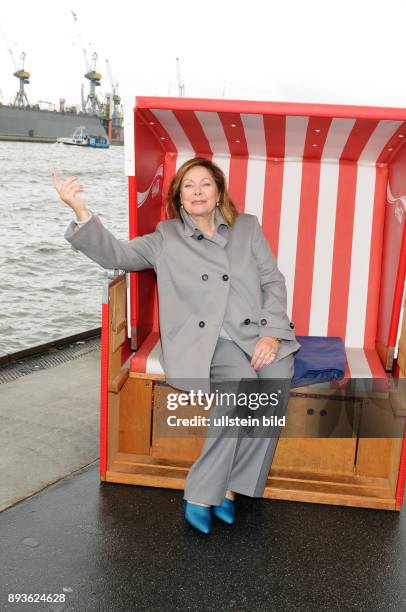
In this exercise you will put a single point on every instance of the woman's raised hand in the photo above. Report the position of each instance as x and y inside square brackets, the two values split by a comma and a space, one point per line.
[68, 191]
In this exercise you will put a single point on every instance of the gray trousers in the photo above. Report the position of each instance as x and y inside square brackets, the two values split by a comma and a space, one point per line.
[239, 461]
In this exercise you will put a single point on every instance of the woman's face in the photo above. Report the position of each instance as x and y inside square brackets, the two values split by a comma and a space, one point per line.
[198, 191]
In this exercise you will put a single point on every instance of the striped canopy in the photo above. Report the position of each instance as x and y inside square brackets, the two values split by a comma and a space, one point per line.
[316, 176]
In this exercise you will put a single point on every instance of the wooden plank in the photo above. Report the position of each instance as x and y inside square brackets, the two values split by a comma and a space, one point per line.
[113, 427]
[379, 456]
[117, 326]
[394, 463]
[119, 381]
[333, 499]
[307, 442]
[160, 377]
[401, 359]
[322, 456]
[135, 417]
[118, 302]
[165, 443]
[376, 457]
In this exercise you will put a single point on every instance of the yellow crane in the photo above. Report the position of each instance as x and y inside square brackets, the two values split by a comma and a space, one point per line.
[92, 103]
[23, 75]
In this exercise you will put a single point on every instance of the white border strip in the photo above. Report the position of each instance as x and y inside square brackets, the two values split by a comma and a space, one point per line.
[129, 156]
[256, 169]
[360, 256]
[296, 128]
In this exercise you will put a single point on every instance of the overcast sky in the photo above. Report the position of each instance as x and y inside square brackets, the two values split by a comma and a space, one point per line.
[333, 51]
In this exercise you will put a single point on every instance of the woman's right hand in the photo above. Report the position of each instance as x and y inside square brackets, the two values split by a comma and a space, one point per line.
[67, 191]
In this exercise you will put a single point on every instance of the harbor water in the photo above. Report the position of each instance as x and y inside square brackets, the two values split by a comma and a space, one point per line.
[49, 291]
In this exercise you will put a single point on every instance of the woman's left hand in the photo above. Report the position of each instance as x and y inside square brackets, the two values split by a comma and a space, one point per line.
[265, 352]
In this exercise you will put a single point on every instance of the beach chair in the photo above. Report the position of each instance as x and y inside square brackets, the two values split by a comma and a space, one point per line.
[328, 185]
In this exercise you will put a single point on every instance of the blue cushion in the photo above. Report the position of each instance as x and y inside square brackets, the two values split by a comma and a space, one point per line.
[319, 359]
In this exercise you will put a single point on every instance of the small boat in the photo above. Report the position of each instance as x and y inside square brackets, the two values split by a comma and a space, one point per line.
[82, 139]
[99, 142]
[79, 138]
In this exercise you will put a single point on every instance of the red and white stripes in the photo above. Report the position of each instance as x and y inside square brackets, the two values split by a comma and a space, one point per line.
[317, 185]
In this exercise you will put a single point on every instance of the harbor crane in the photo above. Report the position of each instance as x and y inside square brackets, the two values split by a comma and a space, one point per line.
[92, 103]
[115, 106]
[24, 79]
[23, 75]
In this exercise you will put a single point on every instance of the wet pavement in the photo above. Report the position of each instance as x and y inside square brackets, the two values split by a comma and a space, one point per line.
[49, 418]
[80, 544]
[110, 547]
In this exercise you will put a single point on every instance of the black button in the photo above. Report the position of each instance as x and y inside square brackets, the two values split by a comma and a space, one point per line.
[202, 323]
[225, 277]
[200, 237]
[247, 321]
[264, 321]
[205, 276]
[292, 325]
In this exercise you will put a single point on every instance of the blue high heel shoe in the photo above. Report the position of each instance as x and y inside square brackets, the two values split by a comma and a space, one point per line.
[198, 516]
[226, 511]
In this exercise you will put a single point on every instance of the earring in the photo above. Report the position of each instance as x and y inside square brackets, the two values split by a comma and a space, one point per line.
[218, 204]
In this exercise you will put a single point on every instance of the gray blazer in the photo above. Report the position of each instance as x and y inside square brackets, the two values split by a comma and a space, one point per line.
[229, 279]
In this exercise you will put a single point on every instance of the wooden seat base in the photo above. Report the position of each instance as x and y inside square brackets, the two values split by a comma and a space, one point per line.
[348, 471]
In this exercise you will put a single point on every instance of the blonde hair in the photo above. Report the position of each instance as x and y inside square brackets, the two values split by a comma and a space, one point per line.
[226, 205]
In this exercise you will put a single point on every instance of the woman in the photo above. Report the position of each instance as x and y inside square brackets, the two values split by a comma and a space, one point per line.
[223, 321]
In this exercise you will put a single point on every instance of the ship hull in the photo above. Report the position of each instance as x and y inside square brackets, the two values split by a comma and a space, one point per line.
[34, 125]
